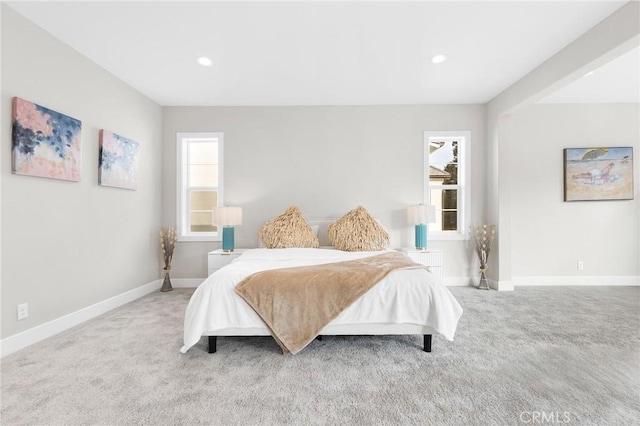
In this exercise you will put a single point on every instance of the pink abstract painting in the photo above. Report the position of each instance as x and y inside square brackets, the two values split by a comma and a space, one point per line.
[45, 143]
[118, 161]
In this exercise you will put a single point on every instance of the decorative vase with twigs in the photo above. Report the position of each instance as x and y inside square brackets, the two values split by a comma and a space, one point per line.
[483, 236]
[168, 238]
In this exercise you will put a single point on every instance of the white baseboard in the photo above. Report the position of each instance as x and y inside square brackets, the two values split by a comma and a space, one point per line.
[186, 282]
[501, 285]
[36, 334]
[469, 282]
[578, 280]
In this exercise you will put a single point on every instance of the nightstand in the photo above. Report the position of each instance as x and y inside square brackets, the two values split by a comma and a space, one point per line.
[217, 259]
[430, 258]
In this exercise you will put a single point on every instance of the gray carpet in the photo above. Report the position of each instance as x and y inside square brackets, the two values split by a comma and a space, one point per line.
[555, 355]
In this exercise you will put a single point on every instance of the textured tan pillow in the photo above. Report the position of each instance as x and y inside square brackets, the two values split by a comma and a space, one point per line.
[358, 231]
[290, 229]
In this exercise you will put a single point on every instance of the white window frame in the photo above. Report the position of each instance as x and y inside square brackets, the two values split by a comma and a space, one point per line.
[182, 182]
[463, 187]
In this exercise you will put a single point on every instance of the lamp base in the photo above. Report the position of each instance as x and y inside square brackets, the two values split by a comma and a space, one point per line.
[228, 242]
[421, 237]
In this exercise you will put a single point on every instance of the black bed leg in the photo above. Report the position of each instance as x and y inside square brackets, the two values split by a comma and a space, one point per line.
[427, 343]
[212, 344]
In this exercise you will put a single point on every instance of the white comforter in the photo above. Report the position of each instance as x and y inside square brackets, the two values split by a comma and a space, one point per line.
[406, 296]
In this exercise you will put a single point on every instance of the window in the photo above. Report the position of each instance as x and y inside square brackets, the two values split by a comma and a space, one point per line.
[446, 173]
[199, 185]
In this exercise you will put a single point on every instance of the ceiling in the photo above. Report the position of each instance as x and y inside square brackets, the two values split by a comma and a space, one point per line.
[319, 53]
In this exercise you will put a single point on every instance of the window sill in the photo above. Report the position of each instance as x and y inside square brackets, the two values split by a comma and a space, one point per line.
[198, 238]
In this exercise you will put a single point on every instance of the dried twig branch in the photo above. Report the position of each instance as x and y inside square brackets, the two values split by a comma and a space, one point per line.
[483, 236]
[168, 238]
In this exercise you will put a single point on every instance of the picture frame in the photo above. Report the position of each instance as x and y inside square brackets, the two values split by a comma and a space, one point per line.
[597, 174]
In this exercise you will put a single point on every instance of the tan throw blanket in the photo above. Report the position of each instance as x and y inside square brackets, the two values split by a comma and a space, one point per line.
[296, 303]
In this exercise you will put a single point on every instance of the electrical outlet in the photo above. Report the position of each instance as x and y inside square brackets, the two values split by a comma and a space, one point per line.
[23, 311]
[580, 265]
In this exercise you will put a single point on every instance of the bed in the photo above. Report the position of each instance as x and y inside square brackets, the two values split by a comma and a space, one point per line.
[405, 301]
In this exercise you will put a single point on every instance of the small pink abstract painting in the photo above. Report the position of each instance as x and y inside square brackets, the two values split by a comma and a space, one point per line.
[45, 143]
[118, 164]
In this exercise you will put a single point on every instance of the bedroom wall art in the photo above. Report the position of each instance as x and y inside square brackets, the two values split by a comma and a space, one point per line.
[118, 161]
[598, 174]
[45, 143]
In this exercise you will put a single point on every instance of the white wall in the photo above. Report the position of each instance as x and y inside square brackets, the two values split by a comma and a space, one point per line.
[66, 245]
[326, 160]
[549, 235]
[612, 37]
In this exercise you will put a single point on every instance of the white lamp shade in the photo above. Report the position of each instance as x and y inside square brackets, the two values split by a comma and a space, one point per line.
[421, 214]
[227, 216]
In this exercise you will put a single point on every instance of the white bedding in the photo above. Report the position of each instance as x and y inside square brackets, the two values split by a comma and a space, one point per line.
[406, 296]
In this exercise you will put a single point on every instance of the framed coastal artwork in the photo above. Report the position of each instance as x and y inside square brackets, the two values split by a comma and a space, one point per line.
[118, 163]
[45, 143]
[592, 174]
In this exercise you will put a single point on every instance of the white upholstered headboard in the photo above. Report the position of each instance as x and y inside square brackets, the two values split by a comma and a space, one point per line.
[323, 223]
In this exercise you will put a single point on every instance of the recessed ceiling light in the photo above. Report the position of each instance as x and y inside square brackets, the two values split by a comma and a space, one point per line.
[204, 61]
[438, 59]
[589, 73]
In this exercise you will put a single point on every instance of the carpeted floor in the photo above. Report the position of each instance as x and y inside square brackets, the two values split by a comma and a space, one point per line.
[539, 355]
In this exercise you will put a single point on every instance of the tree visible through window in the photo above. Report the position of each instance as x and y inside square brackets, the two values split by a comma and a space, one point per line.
[446, 186]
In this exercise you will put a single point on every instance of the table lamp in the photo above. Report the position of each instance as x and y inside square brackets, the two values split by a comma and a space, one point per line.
[227, 218]
[419, 216]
